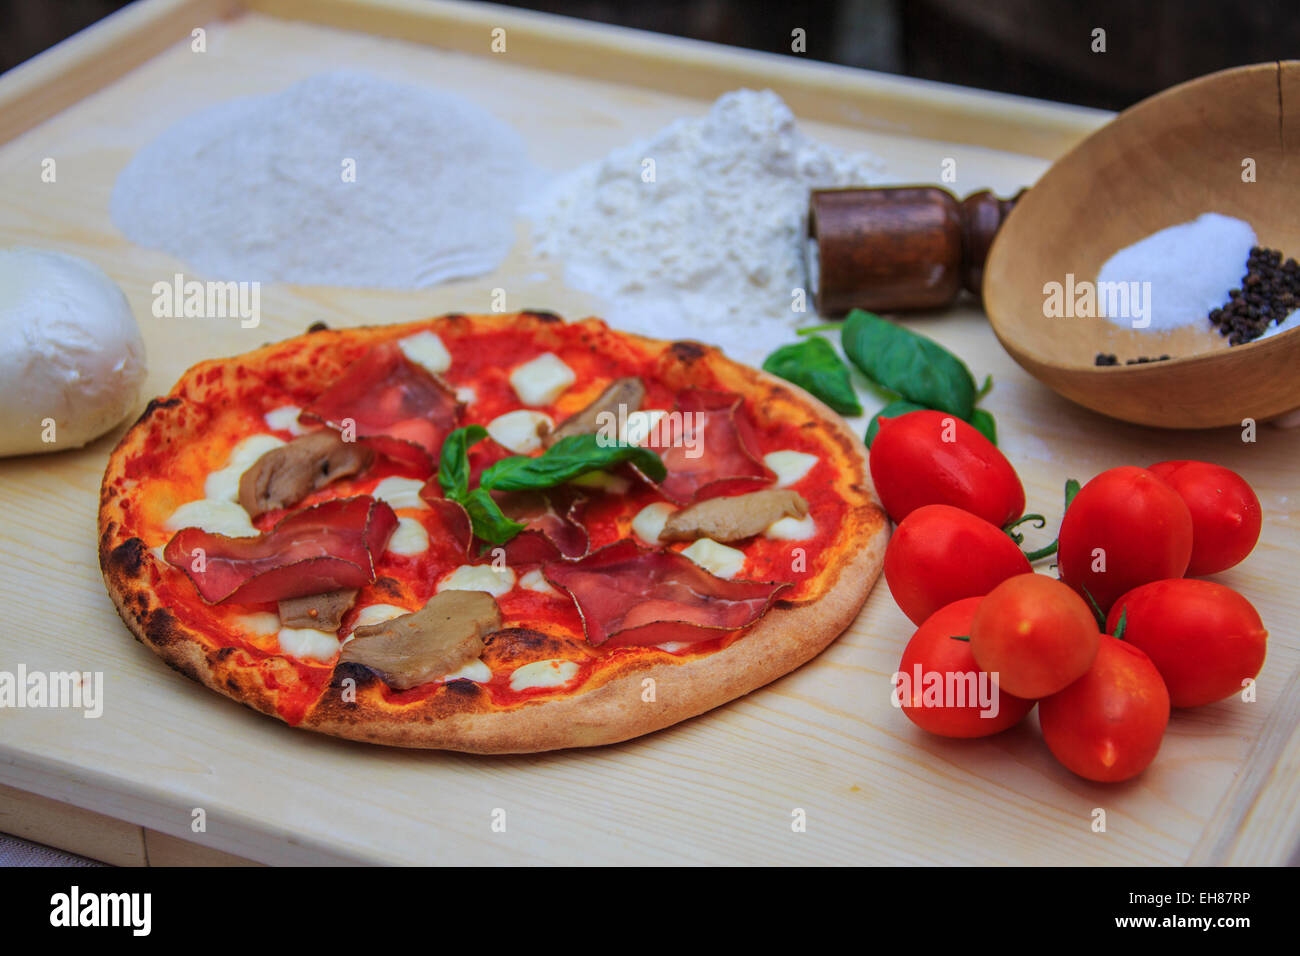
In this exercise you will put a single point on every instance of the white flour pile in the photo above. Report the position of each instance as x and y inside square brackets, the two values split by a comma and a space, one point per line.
[1191, 267]
[712, 247]
[258, 188]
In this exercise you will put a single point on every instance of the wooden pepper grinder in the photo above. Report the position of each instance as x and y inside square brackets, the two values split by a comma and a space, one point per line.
[897, 248]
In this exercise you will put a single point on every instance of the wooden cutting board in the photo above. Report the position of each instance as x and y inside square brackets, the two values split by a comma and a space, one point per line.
[725, 787]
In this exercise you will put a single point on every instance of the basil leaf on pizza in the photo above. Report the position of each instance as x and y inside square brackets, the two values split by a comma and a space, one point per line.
[567, 459]
[487, 518]
[453, 465]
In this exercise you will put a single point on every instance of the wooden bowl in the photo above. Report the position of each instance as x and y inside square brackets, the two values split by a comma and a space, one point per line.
[1164, 161]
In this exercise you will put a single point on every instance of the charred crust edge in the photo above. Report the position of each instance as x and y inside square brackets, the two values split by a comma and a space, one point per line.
[684, 350]
[524, 637]
[154, 405]
[127, 558]
[160, 628]
[360, 673]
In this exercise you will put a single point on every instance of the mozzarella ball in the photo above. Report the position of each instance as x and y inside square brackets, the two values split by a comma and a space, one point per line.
[70, 352]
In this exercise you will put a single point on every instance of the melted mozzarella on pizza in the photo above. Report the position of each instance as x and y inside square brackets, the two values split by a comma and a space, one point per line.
[638, 427]
[261, 623]
[219, 511]
[479, 577]
[426, 349]
[409, 538]
[377, 614]
[543, 674]
[542, 380]
[717, 559]
[521, 431]
[790, 466]
[475, 670]
[223, 484]
[650, 520]
[285, 419]
[535, 580]
[400, 492]
[214, 516]
[307, 643]
[792, 529]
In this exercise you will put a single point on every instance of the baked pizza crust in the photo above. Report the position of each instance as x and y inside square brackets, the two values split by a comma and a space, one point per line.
[608, 708]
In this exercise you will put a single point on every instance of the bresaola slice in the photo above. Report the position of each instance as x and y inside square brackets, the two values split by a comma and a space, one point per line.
[552, 529]
[399, 409]
[707, 448]
[329, 547]
[451, 515]
[628, 596]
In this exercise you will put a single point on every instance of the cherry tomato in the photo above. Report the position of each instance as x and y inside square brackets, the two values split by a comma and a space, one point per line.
[1204, 638]
[940, 554]
[1124, 528]
[1034, 635]
[1226, 516]
[1108, 724]
[933, 458]
[949, 704]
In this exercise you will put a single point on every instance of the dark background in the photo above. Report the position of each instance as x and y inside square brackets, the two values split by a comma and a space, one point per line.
[1036, 48]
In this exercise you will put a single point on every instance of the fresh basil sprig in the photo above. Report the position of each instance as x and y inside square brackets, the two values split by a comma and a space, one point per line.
[486, 518]
[453, 464]
[909, 365]
[815, 366]
[567, 459]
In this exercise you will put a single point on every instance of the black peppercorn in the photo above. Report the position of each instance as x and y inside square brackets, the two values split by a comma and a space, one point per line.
[1270, 291]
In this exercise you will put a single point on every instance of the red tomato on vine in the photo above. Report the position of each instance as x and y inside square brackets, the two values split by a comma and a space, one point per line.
[1107, 726]
[928, 458]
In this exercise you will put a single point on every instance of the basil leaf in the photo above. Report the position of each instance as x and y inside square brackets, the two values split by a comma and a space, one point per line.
[568, 458]
[815, 366]
[892, 410]
[985, 423]
[487, 518]
[453, 466]
[914, 367]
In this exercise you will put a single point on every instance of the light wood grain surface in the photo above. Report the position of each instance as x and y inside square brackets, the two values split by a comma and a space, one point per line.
[720, 788]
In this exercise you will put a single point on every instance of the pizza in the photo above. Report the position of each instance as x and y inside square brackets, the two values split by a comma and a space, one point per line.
[487, 533]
